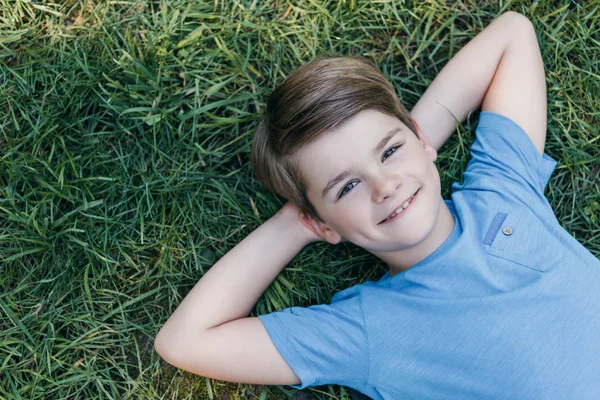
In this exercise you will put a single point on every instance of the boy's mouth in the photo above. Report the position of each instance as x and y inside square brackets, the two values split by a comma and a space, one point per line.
[400, 209]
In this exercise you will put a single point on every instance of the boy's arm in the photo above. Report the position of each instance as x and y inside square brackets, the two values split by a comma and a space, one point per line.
[502, 68]
[208, 333]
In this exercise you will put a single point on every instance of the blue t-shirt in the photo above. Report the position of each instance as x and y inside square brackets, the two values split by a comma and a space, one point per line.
[507, 307]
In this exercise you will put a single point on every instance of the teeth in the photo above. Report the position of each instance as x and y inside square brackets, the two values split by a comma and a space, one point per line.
[399, 209]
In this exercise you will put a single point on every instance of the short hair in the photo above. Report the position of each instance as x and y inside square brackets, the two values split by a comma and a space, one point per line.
[314, 99]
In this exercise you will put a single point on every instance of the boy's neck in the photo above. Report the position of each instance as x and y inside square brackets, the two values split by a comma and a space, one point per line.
[399, 261]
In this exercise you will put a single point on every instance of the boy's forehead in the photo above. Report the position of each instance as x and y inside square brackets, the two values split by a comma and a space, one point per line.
[366, 127]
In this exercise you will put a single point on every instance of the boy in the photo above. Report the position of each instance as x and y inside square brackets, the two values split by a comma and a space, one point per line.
[487, 296]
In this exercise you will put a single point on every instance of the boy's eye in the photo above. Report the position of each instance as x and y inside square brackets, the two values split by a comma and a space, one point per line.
[347, 188]
[350, 185]
[389, 152]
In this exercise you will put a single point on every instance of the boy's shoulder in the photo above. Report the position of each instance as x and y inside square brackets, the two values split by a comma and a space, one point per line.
[505, 167]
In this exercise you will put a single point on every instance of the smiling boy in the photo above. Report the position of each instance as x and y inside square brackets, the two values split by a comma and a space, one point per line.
[395, 211]
[486, 297]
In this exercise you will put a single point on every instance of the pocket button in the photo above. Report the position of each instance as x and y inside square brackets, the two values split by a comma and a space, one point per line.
[507, 230]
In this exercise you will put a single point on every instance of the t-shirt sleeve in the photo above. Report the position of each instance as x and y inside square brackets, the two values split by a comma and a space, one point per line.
[503, 158]
[323, 344]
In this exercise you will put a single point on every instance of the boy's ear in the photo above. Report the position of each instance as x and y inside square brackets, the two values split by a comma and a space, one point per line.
[320, 229]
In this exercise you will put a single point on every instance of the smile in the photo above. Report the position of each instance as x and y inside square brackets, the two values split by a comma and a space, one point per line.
[399, 211]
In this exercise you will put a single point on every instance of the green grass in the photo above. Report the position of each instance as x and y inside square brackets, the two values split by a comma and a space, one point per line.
[125, 133]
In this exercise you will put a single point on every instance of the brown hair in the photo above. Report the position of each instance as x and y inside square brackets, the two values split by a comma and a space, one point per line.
[314, 99]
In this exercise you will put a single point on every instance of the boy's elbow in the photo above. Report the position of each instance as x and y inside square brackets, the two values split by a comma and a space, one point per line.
[167, 346]
[161, 345]
[517, 19]
[519, 26]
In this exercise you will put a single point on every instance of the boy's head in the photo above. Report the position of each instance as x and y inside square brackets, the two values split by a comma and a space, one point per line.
[326, 115]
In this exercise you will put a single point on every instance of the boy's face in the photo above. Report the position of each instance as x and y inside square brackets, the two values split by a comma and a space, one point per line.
[388, 166]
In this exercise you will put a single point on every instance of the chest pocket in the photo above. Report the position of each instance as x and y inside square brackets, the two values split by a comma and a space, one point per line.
[521, 238]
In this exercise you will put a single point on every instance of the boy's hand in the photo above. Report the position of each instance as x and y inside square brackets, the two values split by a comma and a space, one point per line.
[291, 214]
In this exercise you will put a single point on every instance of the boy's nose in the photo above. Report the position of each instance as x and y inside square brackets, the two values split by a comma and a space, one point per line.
[385, 187]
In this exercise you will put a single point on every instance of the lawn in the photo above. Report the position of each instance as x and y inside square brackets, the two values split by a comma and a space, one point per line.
[125, 132]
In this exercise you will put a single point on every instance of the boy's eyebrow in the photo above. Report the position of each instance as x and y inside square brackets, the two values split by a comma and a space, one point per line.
[347, 172]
